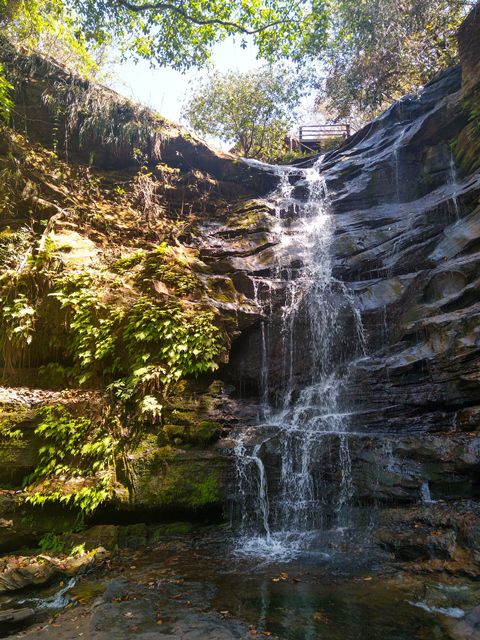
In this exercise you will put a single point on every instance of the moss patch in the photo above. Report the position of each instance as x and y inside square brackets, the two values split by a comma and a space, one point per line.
[18, 451]
[467, 146]
[178, 479]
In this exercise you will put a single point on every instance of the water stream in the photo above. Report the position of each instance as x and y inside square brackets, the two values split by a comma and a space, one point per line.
[287, 494]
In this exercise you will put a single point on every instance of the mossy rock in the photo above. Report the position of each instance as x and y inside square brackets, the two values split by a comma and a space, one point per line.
[176, 479]
[141, 535]
[252, 215]
[181, 418]
[56, 376]
[133, 536]
[18, 446]
[192, 400]
[196, 434]
[102, 535]
[221, 290]
[22, 525]
[467, 146]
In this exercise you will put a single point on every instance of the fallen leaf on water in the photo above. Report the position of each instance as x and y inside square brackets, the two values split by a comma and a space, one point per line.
[282, 576]
[318, 616]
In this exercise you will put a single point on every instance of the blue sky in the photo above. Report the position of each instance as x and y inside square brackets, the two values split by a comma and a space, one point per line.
[164, 89]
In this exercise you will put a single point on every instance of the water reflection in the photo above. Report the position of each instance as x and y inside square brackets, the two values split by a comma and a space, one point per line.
[362, 609]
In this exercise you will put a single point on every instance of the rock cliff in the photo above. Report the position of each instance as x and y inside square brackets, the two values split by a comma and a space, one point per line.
[108, 183]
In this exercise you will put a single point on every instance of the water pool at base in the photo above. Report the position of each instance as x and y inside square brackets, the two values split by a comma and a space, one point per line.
[350, 592]
[317, 596]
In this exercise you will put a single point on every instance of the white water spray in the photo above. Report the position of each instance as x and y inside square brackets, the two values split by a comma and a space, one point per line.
[285, 493]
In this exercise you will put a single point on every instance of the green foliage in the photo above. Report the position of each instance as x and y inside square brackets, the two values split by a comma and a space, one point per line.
[51, 543]
[18, 321]
[142, 348]
[181, 33]
[6, 103]
[55, 376]
[161, 265]
[17, 317]
[78, 549]
[380, 50]
[164, 344]
[251, 111]
[50, 27]
[22, 292]
[77, 461]
[90, 322]
[10, 418]
[124, 265]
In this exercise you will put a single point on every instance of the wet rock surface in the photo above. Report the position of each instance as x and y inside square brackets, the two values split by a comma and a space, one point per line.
[404, 194]
[434, 537]
[409, 259]
[166, 606]
[18, 572]
[192, 587]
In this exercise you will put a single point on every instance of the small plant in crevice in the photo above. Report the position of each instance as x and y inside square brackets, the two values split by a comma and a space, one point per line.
[124, 265]
[90, 323]
[146, 191]
[51, 543]
[11, 418]
[22, 292]
[162, 265]
[6, 102]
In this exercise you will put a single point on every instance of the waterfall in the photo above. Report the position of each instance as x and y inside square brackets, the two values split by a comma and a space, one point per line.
[452, 180]
[294, 470]
[425, 495]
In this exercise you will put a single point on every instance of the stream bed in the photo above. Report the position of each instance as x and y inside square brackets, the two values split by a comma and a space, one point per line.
[194, 586]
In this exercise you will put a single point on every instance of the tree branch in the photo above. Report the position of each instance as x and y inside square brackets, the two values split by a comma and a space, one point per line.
[166, 6]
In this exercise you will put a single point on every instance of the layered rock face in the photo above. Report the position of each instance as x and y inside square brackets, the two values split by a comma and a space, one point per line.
[404, 193]
[405, 245]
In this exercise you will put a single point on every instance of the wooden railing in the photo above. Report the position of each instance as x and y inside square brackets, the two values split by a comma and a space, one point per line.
[312, 135]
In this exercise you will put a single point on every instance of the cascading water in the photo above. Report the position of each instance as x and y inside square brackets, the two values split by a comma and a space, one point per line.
[452, 179]
[294, 471]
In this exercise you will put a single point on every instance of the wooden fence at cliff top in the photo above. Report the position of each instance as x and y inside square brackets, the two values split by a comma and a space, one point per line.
[311, 136]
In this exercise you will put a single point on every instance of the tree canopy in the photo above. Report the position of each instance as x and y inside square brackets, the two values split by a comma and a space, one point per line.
[49, 27]
[181, 33]
[370, 51]
[379, 50]
[251, 111]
